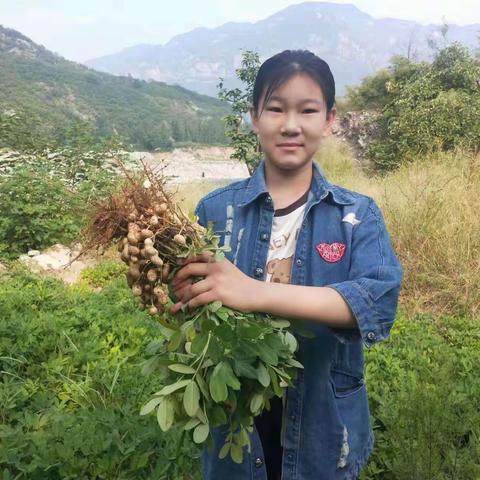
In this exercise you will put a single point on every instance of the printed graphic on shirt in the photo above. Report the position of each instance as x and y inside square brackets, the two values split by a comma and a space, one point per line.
[279, 270]
[285, 229]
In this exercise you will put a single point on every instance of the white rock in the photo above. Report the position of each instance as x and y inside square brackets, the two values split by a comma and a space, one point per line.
[33, 253]
[56, 259]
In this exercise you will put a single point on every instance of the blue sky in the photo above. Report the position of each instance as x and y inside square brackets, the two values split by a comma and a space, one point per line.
[83, 29]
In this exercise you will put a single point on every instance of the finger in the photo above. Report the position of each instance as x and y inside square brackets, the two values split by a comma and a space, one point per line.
[191, 292]
[202, 257]
[180, 286]
[202, 299]
[192, 269]
[195, 289]
[175, 308]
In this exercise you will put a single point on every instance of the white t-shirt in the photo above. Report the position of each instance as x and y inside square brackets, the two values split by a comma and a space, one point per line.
[285, 228]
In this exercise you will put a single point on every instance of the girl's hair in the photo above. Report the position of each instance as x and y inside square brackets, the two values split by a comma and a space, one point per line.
[276, 70]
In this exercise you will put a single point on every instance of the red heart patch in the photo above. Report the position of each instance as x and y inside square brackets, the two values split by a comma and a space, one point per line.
[331, 252]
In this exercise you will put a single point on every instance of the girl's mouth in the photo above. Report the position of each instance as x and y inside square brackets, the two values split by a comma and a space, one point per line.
[289, 147]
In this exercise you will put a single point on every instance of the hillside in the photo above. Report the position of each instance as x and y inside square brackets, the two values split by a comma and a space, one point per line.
[354, 43]
[52, 93]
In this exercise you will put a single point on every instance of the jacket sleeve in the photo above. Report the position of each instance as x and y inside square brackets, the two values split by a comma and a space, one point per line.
[374, 281]
[201, 214]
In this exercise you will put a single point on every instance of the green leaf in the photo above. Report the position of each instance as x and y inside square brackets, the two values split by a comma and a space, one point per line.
[168, 389]
[181, 368]
[175, 341]
[214, 306]
[236, 453]
[267, 354]
[244, 369]
[294, 363]
[224, 316]
[154, 346]
[149, 406]
[192, 423]
[200, 433]
[165, 414]
[229, 377]
[250, 330]
[217, 385]
[200, 414]
[191, 399]
[198, 343]
[215, 350]
[244, 439]
[150, 365]
[224, 333]
[256, 402]
[262, 375]
[280, 323]
[275, 386]
[224, 451]
[203, 386]
[274, 341]
[217, 415]
[291, 342]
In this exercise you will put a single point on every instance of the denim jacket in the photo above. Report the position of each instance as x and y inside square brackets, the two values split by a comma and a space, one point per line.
[343, 244]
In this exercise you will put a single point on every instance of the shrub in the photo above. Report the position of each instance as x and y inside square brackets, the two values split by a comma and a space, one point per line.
[424, 107]
[423, 387]
[35, 211]
[45, 193]
[71, 388]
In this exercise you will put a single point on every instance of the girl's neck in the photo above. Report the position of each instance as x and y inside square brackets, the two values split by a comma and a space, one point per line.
[287, 186]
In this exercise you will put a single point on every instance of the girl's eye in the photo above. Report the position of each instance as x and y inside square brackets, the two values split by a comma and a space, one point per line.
[274, 109]
[309, 110]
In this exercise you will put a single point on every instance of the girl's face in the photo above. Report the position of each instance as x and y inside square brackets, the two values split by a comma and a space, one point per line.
[293, 123]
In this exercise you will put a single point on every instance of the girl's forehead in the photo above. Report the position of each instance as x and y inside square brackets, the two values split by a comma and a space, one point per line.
[300, 88]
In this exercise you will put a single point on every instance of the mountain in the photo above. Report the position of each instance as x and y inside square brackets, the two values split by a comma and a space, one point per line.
[351, 41]
[53, 93]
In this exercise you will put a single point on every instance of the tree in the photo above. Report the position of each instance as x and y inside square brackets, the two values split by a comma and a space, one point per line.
[242, 138]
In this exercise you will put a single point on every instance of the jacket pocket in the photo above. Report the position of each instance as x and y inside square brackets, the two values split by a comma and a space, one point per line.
[345, 384]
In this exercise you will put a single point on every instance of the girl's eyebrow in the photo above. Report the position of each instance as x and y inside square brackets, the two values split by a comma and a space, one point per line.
[306, 100]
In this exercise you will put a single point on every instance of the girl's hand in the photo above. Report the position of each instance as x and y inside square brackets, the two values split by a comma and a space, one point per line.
[223, 281]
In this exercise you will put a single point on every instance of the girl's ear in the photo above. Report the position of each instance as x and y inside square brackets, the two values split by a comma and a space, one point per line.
[332, 115]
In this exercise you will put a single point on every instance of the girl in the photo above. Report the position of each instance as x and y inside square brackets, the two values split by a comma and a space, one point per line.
[309, 250]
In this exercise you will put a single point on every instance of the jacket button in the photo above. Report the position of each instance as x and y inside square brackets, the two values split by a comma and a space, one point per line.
[371, 335]
[258, 462]
[299, 262]
[265, 236]
[258, 272]
[268, 199]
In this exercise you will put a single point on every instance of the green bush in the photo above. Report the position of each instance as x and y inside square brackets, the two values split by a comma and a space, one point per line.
[102, 274]
[45, 193]
[36, 211]
[423, 107]
[424, 388]
[71, 388]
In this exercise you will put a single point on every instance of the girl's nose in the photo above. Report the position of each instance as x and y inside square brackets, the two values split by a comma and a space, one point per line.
[291, 125]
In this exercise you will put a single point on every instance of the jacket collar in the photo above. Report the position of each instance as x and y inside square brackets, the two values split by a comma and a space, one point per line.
[320, 187]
